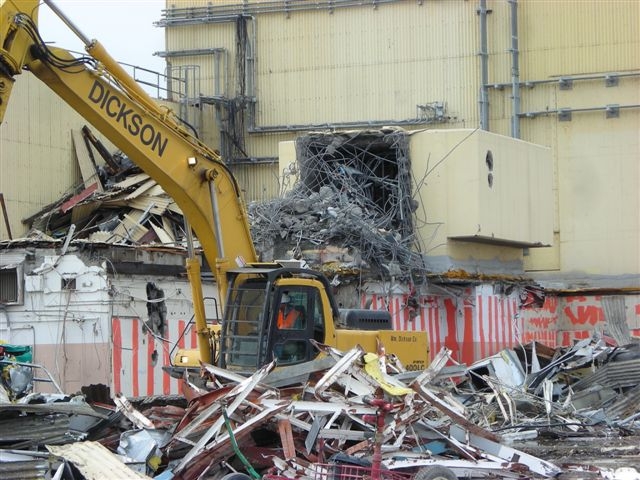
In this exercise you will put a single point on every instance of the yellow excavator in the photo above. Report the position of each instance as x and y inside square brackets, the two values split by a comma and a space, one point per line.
[253, 332]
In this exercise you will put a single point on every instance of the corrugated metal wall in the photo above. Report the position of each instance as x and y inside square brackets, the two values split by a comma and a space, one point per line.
[313, 68]
[362, 64]
[480, 321]
[36, 166]
[374, 63]
[258, 182]
[560, 38]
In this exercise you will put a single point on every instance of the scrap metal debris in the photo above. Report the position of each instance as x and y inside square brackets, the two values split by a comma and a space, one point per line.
[354, 415]
[353, 192]
[116, 203]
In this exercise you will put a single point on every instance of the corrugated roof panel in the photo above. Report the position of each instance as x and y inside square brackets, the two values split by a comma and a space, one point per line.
[94, 461]
[16, 465]
[34, 429]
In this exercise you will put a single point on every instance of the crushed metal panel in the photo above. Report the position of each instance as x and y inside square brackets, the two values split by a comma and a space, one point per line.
[536, 465]
[35, 429]
[221, 448]
[173, 207]
[129, 411]
[436, 365]
[158, 204]
[130, 229]
[452, 411]
[85, 160]
[157, 191]
[620, 374]
[76, 199]
[83, 210]
[68, 408]
[504, 365]
[19, 465]
[461, 468]
[131, 181]
[625, 407]
[162, 234]
[334, 373]
[146, 203]
[166, 226]
[94, 461]
[146, 186]
[240, 392]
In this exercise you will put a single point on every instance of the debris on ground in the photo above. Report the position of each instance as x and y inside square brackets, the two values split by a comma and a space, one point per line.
[356, 414]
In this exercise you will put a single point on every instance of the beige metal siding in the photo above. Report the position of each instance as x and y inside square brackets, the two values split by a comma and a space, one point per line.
[599, 198]
[362, 64]
[37, 163]
[484, 187]
[257, 182]
[366, 63]
[560, 38]
[205, 37]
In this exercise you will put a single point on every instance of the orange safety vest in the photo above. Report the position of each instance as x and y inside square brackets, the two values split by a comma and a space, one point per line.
[289, 319]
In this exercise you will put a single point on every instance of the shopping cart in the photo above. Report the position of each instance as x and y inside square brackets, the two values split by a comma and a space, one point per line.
[340, 471]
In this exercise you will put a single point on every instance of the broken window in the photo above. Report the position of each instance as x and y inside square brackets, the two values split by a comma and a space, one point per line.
[11, 284]
[156, 310]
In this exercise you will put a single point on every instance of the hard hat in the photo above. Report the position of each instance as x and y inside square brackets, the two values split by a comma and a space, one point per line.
[285, 298]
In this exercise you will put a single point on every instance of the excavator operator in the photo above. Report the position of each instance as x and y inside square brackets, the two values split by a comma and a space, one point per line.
[289, 316]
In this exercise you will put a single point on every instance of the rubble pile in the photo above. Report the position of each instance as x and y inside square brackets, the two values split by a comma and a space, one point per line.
[116, 203]
[352, 192]
[351, 411]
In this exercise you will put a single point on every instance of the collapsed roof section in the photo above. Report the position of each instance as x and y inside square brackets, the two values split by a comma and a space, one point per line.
[116, 203]
[353, 193]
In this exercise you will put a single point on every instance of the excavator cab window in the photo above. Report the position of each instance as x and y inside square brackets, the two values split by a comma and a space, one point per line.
[293, 323]
[244, 339]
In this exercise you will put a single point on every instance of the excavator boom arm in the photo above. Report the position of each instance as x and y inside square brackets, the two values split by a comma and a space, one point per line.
[192, 174]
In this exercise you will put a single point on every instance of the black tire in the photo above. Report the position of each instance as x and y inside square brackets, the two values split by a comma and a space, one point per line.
[435, 472]
[236, 476]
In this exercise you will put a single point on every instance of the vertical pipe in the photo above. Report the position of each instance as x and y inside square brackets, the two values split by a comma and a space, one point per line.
[515, 71]
[484, 67]
[3, 206]
[250, 72]
[218, 93]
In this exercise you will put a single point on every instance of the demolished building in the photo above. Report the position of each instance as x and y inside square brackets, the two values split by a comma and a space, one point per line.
[373, 210]
[382, 213]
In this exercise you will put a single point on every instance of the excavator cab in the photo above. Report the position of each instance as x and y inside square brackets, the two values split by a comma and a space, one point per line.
[271, 314]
